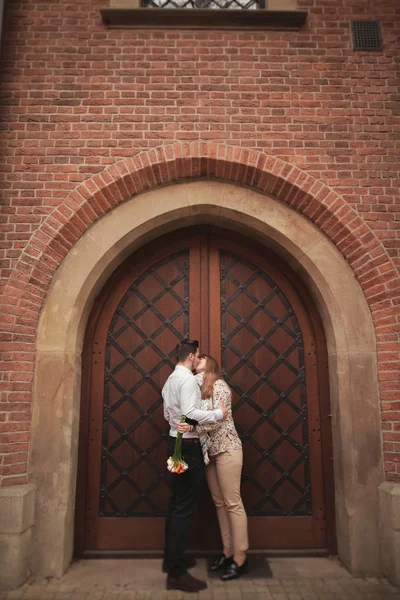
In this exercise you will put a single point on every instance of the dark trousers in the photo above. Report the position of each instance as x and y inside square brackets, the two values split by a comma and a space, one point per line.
[185, 493]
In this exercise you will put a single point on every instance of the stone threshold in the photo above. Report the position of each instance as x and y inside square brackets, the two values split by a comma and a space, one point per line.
[152, 18]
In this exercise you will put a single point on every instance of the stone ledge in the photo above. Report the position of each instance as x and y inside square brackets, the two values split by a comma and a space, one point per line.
[203, 18]
[17, 505]
[390, 530]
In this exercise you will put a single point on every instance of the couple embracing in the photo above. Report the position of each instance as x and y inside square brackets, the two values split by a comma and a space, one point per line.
[211, 447]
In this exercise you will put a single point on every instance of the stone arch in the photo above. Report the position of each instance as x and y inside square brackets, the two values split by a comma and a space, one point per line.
[343, 308]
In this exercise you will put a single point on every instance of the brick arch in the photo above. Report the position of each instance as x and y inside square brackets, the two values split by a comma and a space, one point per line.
[344, 312]
[104, 191]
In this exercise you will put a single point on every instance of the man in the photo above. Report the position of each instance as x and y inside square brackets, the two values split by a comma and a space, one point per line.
[182, 396]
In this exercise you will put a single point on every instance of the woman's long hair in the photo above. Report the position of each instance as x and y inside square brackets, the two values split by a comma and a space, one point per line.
[212, 373]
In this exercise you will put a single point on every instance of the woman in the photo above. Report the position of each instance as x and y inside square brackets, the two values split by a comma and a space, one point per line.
[223, 449]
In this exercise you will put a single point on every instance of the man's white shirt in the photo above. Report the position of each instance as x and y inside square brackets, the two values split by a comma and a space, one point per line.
[181, 396]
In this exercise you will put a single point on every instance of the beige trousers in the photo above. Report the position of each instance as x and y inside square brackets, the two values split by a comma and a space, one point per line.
[223, 477]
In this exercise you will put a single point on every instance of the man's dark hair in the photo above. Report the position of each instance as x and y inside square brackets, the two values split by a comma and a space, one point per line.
[183, 349]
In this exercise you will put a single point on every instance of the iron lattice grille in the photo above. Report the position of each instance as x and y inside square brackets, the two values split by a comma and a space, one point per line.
[202, 4]
[150, 320]
[263, 362]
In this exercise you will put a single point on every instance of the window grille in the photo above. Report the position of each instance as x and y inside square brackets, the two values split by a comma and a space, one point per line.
[206, 4]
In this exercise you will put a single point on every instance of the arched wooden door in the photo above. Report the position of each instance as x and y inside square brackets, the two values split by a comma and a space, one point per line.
[250, 312]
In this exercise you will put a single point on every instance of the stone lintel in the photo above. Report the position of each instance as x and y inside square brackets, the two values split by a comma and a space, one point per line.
[203, 18]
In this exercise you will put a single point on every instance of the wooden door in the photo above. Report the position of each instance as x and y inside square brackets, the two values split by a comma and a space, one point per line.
[245, 308]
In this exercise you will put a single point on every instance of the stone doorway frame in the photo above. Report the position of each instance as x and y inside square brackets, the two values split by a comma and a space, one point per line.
[325, 513]
[344, 311]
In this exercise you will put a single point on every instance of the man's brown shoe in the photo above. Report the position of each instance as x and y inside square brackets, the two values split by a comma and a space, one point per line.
[186, 583]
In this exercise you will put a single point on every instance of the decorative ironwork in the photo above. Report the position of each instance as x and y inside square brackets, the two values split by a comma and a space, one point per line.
[249, 298]
[366, 35]
[203, 4]
[150, 320]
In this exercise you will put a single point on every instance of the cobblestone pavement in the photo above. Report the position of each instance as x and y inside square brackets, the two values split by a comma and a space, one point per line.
[126, 579]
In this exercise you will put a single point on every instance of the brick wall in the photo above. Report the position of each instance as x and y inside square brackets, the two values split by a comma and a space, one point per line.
[77, 97]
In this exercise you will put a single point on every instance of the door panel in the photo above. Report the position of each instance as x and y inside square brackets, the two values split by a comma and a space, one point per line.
[145, 316]
[245, 310]
[265, 335]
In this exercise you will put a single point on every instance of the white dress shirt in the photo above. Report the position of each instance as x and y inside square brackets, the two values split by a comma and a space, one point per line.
[182, 396]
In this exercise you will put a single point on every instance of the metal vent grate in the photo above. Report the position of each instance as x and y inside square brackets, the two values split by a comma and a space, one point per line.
[366, 35]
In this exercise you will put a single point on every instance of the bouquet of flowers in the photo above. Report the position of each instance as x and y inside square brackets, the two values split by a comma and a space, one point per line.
[175, 463]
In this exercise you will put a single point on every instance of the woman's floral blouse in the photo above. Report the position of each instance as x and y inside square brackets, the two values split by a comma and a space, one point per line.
[219, 433]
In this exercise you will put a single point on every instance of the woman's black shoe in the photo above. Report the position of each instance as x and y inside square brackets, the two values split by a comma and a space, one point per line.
[220, 563]
[233, 571]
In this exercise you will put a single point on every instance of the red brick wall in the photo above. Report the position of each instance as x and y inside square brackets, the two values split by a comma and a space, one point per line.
[77, 97]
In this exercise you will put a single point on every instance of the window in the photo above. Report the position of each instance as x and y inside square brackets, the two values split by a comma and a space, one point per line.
[205, 4]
